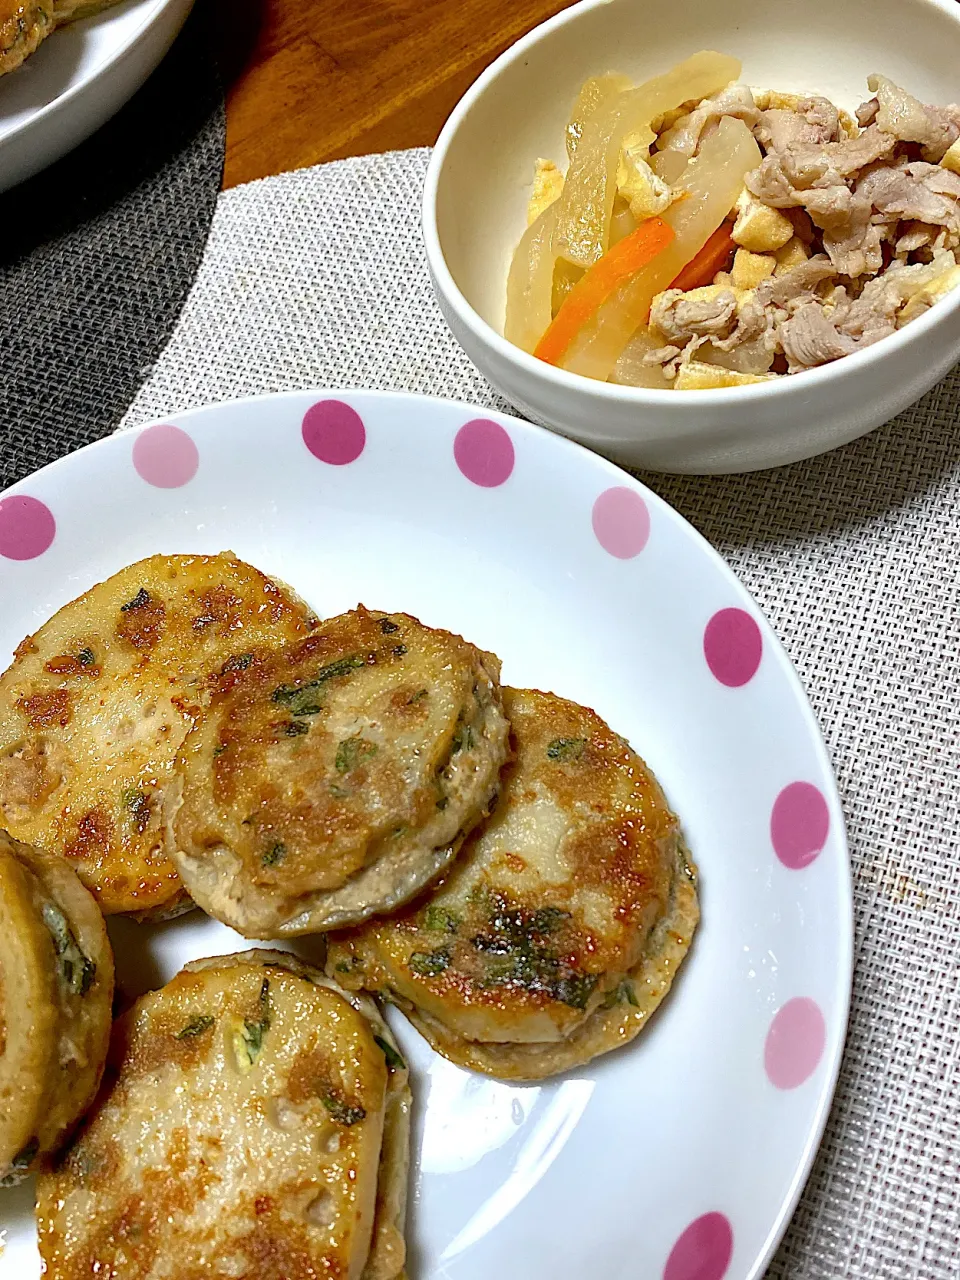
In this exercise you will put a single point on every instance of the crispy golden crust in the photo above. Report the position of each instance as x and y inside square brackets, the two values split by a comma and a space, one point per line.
[56, 993]
[97, 704]
[337, 778]
[253, 1126]
[560, 926]
[637, 996]
[23, 25]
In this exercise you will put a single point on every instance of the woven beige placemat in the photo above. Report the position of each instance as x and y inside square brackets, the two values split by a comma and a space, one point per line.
[318, 278]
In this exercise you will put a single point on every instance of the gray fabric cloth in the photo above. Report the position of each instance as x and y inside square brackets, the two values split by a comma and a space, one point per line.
[98, 255]
[318, 278]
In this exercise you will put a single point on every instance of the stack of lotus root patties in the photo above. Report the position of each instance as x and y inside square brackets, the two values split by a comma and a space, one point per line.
[497, 863]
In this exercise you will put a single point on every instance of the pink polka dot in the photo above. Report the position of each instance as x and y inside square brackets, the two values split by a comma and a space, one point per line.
[795, 1043]
[333, 432]
[27, 528]
[733, 647]
[165, 456]
[703, 1252]
[621, 522]
[799, 824]
[484, 452]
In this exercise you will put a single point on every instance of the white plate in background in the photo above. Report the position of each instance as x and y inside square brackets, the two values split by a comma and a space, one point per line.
[78, 78]
[681, 1156]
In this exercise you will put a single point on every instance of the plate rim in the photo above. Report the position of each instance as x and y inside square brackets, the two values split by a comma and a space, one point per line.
[833, 1053]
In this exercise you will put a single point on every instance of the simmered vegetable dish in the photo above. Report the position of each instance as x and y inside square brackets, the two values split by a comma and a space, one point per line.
[707, 235]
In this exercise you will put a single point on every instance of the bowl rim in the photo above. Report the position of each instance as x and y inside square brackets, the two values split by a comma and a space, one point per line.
[808, 380]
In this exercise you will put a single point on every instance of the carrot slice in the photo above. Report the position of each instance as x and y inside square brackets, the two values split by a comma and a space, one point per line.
[713, 257]
[618, 264]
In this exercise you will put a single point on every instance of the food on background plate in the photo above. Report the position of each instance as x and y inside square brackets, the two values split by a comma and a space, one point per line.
[562, 924]
[337, 778]
[705, 234]
[56, 994]
[69, 10]
[255, 1123]
[24, 24]
[97, 704]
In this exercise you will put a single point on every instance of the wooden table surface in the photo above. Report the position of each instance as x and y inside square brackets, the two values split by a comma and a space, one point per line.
[315, 80]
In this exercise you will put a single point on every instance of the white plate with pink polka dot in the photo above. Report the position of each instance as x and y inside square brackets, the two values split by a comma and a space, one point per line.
[681, 1156]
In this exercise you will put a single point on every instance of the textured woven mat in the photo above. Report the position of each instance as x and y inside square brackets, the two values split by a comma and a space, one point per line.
[318, 278]
[107, 243]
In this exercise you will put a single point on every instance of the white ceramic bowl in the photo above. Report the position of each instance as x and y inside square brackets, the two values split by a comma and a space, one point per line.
[479, 181]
